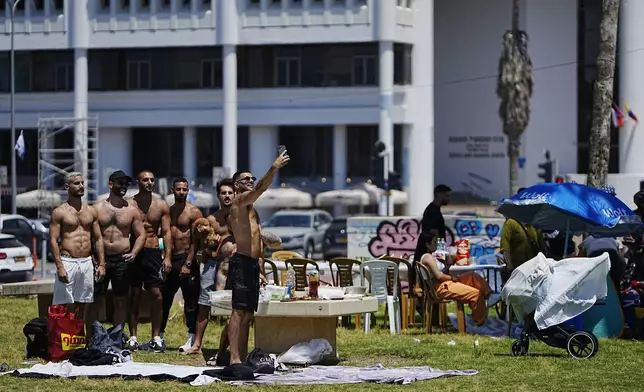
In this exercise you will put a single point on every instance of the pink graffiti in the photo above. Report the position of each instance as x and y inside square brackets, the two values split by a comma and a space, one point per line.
[397, 239]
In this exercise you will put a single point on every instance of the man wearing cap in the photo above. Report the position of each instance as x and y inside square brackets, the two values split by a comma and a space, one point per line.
[118, 220]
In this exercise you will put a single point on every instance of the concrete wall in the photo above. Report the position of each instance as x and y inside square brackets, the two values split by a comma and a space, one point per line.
[397, 235]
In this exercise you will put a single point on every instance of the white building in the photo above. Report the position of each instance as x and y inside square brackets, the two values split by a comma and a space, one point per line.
[181, 86]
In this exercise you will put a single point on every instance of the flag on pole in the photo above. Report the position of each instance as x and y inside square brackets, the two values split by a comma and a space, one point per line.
[630, 113]
[618, 116]
[20, 145]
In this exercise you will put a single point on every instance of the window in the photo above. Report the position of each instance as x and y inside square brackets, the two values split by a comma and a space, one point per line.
[288, 67]
[59, 5]
[188, 75]
[10, 243]
[402, 64]
[364, 70]
[39, 5]
[64, 77]
[125, 4]
[138, 75]
[105, 4]
[283, 220]
[254, 3]
[211, 73]
[145, 4]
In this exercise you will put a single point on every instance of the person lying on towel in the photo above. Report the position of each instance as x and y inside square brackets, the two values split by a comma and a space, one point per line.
[467, 288]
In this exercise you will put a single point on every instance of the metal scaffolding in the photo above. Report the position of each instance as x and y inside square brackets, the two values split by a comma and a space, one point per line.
[55, 160]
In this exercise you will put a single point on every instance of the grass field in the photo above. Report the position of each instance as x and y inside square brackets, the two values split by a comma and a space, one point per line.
[617, 367]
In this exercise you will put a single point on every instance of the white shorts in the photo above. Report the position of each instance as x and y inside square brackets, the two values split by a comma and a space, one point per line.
[80, 288]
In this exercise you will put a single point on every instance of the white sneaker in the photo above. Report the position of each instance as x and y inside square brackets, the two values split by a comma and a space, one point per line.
[188, 344]
[132, 344]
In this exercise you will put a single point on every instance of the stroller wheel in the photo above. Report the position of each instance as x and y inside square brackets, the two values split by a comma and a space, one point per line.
[582, 345]
[519, 348]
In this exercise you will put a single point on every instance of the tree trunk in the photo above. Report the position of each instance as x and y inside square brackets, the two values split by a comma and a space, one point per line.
[514, 142]
[513, 160]
[603, 95]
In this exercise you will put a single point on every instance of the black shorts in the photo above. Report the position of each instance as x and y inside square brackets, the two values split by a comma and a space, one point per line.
[152, 273]
[116, 272]
[243, 280]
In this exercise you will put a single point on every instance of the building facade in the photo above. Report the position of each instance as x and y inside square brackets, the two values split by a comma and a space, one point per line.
[182, 86]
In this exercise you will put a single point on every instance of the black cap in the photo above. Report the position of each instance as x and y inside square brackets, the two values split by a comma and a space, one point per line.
[119, 174]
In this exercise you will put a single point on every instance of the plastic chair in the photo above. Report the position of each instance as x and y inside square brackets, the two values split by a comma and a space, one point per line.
[378, 271]
[408, 298]
[299, 266]
[343, 277]
[283, 255]
[430, 299]
[275, 271]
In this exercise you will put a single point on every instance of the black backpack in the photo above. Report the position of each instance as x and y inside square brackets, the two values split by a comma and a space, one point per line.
[36, 333]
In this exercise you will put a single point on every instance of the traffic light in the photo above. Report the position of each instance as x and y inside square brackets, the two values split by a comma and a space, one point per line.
[395, 181]
[546, 175]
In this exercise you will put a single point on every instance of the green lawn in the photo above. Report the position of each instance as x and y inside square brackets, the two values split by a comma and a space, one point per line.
[617, 367]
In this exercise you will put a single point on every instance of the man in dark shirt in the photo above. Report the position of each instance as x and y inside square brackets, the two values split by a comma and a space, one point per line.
[433, 221]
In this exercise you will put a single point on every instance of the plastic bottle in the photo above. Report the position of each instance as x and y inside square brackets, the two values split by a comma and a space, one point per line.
[314, 283]
[290, 282]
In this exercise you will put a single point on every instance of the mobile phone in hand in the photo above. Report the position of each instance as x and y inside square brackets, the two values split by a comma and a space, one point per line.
[280, 149]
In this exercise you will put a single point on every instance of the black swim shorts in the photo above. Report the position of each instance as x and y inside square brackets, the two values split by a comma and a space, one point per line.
[243, 280]
[152, 268]
[116, 271]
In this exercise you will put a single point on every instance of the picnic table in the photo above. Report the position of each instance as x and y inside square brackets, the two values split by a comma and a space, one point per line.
[280, 325]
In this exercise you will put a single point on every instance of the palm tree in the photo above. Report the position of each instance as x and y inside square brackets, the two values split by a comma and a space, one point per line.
[514, 88]
[603, 95]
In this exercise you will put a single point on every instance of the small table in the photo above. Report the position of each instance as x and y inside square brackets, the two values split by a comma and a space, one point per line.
[281, 325]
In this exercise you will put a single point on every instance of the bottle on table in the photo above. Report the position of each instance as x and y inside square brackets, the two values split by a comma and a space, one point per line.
[290, 282]
[314, 283]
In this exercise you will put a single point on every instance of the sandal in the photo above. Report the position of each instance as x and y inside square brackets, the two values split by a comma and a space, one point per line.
[191, 351]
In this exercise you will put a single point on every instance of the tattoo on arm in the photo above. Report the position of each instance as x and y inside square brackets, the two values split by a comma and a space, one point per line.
[270, 239]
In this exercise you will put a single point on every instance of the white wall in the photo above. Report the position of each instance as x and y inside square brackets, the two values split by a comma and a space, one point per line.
[115, 150]
[468, 37]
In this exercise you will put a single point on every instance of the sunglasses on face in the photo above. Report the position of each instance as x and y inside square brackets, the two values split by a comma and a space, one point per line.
[247, 179]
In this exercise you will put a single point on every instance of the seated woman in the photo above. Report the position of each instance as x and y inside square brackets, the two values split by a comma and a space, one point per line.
[467, 288]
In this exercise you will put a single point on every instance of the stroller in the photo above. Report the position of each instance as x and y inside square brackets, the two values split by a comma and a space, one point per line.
[549, 294]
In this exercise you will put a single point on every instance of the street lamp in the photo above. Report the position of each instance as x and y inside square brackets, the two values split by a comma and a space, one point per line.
[12, 4]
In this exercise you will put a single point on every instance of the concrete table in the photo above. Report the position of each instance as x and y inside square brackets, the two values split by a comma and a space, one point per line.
[281, 325]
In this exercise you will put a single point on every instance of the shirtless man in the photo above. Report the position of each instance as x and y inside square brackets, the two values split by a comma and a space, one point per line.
[118, 220]
[244, 269]
[76, 222]
[185, 272]
[210, 280]
[151, 266]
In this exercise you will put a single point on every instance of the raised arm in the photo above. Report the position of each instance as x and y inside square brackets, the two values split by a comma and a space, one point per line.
[265, 182]
[196, 214]
[271, 240]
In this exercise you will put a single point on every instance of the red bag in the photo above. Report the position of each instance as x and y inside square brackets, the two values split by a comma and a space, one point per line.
[65, 333]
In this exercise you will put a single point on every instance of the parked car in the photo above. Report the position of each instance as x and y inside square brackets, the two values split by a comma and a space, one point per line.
[16, 262]
[24, 230]
[300, 230]
[335, 239]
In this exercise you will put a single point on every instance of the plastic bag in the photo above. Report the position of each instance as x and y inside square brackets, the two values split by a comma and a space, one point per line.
[306, 353]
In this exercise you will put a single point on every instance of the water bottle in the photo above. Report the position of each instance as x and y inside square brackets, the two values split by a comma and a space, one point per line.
[290, 282]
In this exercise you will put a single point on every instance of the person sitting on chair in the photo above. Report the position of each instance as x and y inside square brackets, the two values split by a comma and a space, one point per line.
[468, 288]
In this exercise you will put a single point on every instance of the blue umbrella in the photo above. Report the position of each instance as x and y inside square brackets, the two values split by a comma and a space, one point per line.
[573, 208]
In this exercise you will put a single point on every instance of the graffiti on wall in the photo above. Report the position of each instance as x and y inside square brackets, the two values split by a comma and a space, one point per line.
[397, 236]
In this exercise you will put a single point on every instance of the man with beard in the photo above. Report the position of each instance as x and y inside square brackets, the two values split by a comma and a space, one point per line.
[151, 267]
[118, 220]
[215, 257]
[185, 272]
[76, 222]
[244, 269]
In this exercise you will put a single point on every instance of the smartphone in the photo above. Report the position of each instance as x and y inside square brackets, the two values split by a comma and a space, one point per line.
[280, 149]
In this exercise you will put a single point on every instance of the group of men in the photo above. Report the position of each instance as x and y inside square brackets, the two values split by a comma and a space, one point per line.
[143, 243]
